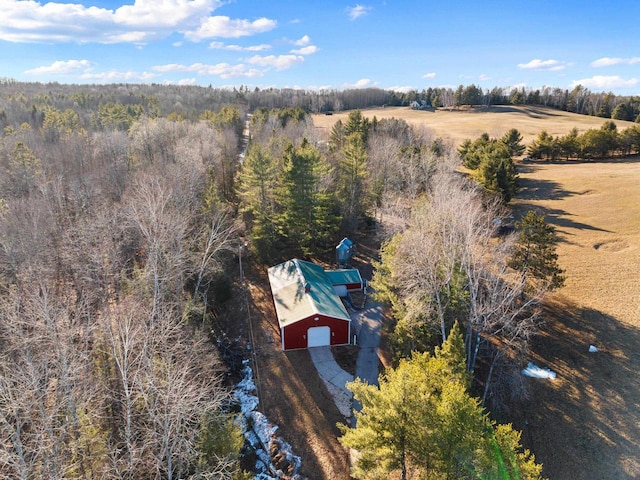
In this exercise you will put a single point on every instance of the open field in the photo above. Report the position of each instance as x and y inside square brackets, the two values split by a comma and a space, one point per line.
[586, 423]
[459, 125]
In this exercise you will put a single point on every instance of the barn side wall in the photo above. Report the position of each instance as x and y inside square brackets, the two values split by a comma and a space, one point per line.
[354, 287]
[295, 334]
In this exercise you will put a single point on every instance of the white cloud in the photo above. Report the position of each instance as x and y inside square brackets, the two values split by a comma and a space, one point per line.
[187, 81]
[546, 65]
[32, 21]
[279, 62]
[172, 13]
[362, 83]
[225, 27]
[308, 50]
[238, 48]
[114, 76]
[222, 70]
[61, 67]
[357, 11]
[141, 22]
[605, 82]
[83, 70]
[402, 88]
[429, 75]
[609, 61]
[301, 42]
[484, 77]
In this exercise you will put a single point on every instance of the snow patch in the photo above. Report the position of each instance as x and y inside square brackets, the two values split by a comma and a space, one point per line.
[272, 452]
[538, 372]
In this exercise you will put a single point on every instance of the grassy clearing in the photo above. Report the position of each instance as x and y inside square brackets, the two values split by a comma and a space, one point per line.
[585, 424]
[459, 125]
[595, 208]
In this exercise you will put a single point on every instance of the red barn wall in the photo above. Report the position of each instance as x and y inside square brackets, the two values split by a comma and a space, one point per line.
[295, 334]
[354, 286]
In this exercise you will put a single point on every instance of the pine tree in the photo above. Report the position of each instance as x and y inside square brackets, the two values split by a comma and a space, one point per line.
[421, 419]
[536, 252]
[305, 217]
[496, 171]
[23, 170]
[357, 123]
[513, 140]
[257, 186]
[453, 353]
[351, 182]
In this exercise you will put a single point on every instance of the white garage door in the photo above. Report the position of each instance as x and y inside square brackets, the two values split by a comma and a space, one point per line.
[318, 337]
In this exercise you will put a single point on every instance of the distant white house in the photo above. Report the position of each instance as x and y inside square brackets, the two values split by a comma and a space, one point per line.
[420, 104]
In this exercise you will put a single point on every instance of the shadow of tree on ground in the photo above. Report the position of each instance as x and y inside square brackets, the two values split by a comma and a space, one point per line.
[584, 424]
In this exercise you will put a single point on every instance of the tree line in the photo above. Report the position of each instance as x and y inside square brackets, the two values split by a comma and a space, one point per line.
[491, 160]
[594, 143]
[22, 102]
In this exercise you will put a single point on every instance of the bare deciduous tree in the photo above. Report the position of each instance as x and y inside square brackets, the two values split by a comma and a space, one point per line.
[218, 236]
[163, 230]
[448, 264]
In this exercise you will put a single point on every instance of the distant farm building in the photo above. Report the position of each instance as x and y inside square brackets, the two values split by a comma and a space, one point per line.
[308, 303]
[421, 104]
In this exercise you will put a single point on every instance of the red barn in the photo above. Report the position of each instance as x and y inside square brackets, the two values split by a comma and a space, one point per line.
[310, 312]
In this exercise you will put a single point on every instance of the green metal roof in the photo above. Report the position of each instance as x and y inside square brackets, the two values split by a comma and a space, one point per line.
[344, 276]
[293, 303]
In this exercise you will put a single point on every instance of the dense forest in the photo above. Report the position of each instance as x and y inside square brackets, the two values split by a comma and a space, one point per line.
[23, 102]
[122, 208]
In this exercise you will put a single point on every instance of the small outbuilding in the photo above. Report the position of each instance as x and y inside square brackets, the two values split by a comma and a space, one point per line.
[308, 305]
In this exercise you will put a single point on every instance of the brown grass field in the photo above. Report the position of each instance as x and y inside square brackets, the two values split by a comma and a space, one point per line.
[459, 125]
[585, 424]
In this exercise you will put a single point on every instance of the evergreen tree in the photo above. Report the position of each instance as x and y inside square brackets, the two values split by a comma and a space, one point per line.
[569, 145]
[357, 123]
[257, 185]
[536, 252]
[622, 111]
[337, 135]
[472, 153]
[23, 170]
[496, 171]
[544, 146]
[513, 140]
[352, 175]
[305, 216]
[421, 419]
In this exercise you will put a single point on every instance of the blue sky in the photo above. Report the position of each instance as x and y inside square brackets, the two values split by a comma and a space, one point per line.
[411, 44]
